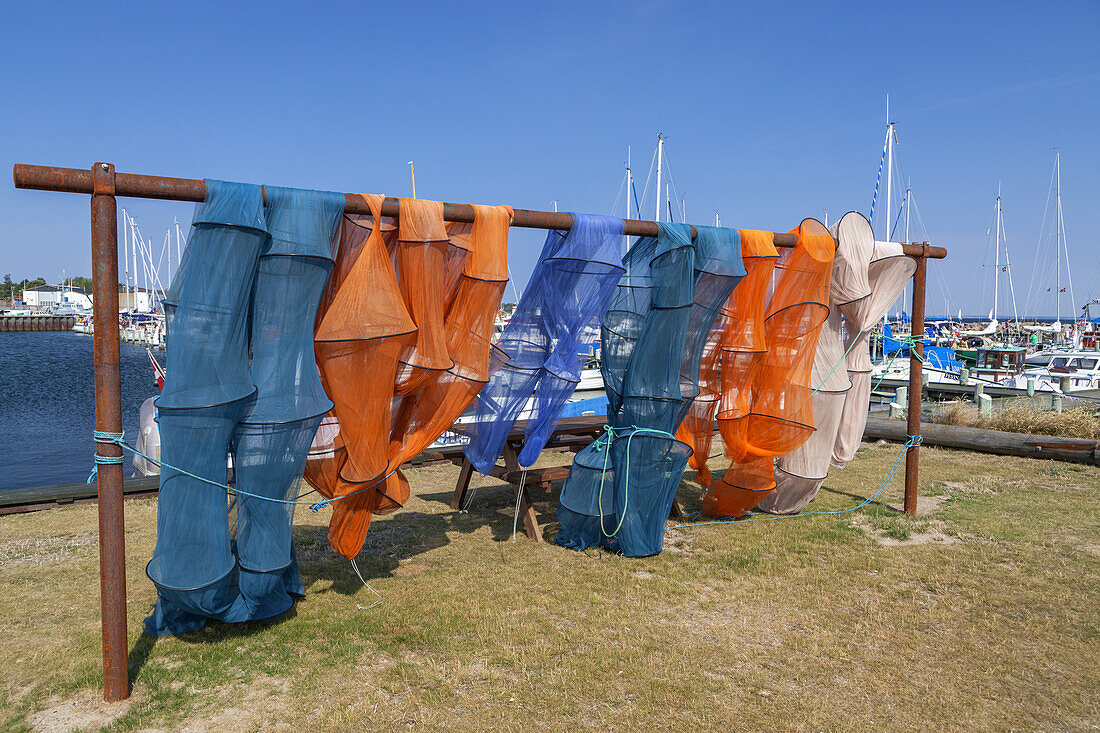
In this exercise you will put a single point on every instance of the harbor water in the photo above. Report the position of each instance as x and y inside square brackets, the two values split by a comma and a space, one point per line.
[47, 412]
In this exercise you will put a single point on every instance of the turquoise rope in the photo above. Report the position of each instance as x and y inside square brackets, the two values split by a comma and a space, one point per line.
[103, 436]
[914, 442]
[907, 340]
[842, 358]
[314, 506]
[606, 439]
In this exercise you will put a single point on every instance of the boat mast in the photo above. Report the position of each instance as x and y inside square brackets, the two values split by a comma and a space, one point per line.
[997, 250]
[179, 236]
[889, 167]
[1061, 244]
[629, 182]
[629, 193]
[660, 154]
[126, 259]
[133, 253]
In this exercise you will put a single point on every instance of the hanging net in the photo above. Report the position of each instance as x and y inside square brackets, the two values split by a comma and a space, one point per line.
[548, 339]
[738, 332]
[403, 341]
[800, 473]
[240, 290]
[621, 487]
[765, 409]
[890, 269]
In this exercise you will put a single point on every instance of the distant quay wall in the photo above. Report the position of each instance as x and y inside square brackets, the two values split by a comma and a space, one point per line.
[37, 323]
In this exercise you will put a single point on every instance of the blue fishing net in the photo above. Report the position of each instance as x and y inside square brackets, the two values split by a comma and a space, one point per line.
[621, 487]
[548, 339]
[240, 293]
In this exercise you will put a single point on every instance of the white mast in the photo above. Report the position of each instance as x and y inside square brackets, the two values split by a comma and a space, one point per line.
[997, 249]
[133, 253]
[126, 259]
[889, 167]
[179, 236]
[1061, 243]
[660, 154]
[629, 182]
[168, 246]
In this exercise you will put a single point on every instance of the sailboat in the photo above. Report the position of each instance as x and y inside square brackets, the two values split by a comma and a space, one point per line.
[999, 238]
[1061, 252]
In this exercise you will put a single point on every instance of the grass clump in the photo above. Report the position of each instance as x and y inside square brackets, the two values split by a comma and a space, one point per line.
[1022, 416]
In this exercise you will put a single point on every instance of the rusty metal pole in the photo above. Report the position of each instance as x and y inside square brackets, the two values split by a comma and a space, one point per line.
[916, 381]
[108, 419]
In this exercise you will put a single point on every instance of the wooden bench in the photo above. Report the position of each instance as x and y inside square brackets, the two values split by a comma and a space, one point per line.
[571, 434]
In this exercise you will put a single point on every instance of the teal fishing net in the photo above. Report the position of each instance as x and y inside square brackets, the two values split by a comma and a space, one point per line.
[621, 487]
[241, 380]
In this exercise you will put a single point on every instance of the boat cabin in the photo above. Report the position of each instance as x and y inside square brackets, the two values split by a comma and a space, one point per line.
[1069, 363]
[998, 362]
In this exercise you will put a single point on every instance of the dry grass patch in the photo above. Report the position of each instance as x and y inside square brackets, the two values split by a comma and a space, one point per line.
[1022, 416]
[801, 624]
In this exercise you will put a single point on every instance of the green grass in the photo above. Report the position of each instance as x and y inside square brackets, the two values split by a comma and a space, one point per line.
[981, 613]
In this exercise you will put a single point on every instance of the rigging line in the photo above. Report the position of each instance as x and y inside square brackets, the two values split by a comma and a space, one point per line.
[901, 210]
[648, 176]
[618, 195]
[1039, 244]
[1008, 269]
[512, 280]
[878, 179]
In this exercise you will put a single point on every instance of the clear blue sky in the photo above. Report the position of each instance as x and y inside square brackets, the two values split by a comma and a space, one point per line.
[773, 111]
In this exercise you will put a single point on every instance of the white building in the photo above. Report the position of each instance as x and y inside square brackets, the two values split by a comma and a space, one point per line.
[138, 300]
[54, 296]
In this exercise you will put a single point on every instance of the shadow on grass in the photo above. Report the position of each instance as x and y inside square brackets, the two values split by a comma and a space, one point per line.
[494, 506]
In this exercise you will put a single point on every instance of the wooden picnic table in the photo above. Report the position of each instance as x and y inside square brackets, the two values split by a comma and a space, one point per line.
[571, 434]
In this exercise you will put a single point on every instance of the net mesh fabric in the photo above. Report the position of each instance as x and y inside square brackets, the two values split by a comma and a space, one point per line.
[548, 339]
[404, 345]
[242, 292]
[621, 487]
[765, 409]
[890, 269]
[800, 473]
[737, 333]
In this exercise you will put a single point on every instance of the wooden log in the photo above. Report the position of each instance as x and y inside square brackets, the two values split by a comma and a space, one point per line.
[14, 501]
[997, 442]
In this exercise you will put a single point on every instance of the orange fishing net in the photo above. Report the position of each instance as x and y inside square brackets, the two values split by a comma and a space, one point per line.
[737, 333]
[763, 366]
[403, 346]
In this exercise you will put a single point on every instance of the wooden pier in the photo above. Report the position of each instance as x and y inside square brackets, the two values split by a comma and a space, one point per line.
[38, 322]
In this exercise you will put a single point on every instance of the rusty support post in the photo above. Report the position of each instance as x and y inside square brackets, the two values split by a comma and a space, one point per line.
[916, 381]
[108, 419]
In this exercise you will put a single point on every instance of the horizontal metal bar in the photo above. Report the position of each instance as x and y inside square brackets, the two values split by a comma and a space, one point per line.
[74, 180]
